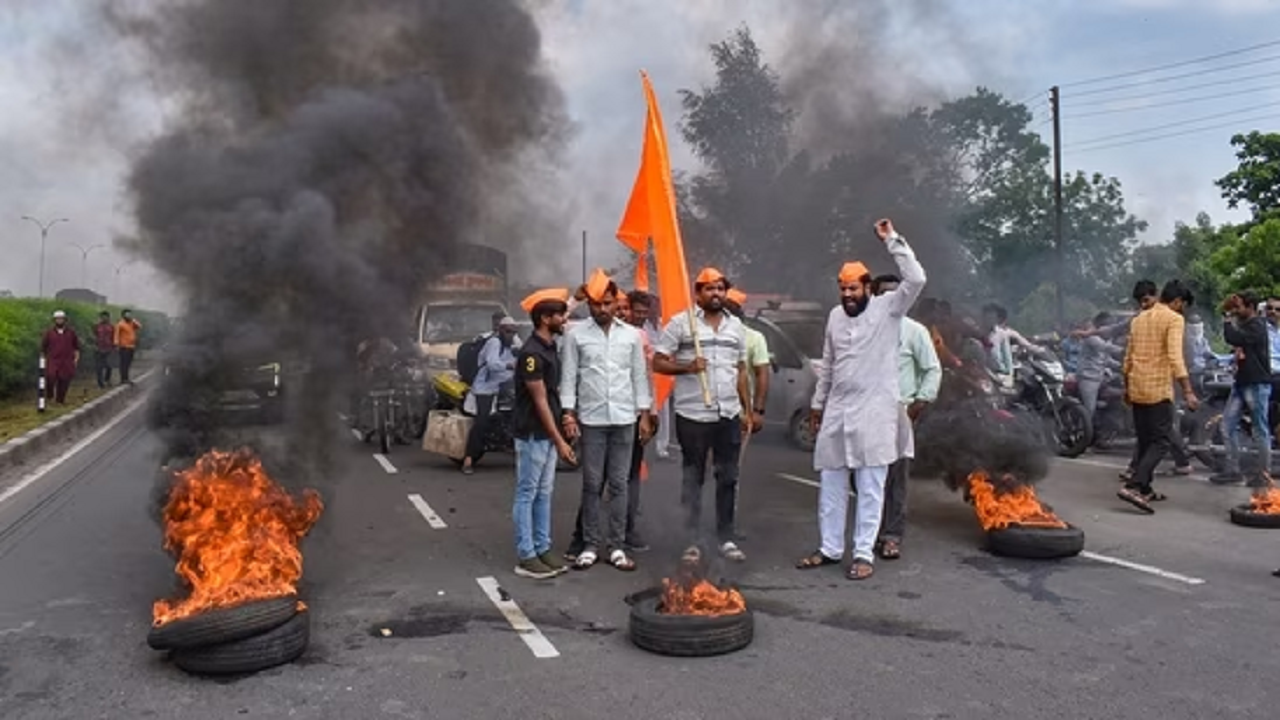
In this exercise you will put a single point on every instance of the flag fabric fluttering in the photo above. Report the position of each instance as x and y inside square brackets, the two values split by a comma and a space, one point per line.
[651, 216]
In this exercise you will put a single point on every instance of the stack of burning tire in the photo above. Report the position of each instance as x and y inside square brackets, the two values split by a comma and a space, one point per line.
[235, 535]
[1262, 510]
[1017, 523]
[691, 617]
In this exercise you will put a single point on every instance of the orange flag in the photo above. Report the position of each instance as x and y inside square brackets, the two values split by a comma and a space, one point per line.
[651, 215]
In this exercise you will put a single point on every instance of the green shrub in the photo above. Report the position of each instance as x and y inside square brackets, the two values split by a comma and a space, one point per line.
[23, 322]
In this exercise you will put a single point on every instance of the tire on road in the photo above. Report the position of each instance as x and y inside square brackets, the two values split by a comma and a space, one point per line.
[282, 644]
[1244, 516]
[1075, 430]
[688, 635]
[1036, 543]
[223, 625]
[800, 431]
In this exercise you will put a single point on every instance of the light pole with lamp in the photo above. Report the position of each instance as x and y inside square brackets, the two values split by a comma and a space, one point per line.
[44, 235]
[84, 261]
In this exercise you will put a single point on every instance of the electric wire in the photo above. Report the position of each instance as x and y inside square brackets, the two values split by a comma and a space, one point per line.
[1180, 123]
[1153, 138]
[1170, 66]
[1185, 101]
[1199, 86]
[1171, 78]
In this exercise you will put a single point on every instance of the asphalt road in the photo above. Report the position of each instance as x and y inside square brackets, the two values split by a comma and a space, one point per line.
[947, 632]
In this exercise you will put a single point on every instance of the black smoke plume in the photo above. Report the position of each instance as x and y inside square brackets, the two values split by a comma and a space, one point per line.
[320, 161]
[954, 440]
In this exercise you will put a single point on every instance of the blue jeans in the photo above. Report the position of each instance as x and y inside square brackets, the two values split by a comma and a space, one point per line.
[535, 481]
[1255, 398]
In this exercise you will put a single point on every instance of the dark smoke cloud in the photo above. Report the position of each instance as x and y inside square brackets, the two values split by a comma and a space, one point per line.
[324, 159]
[956, 439]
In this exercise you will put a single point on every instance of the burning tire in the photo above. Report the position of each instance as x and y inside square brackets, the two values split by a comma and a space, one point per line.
[282, 644]
[224, 625]
[688, 635]
[1246, 516]
[1036, 543]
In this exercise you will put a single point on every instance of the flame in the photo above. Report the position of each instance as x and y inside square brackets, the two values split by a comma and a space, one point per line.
[692, 594]
[235, 533]
[1265, 501]
[1014, 505]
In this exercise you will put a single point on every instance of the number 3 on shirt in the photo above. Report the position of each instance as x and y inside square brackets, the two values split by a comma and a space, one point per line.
[530, 364]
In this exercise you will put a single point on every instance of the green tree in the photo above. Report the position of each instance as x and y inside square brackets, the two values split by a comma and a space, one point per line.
[1247, 258]
[1256, 182]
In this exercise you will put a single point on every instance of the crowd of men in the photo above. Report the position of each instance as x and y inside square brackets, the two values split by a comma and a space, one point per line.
[592, 381]
[60, 349]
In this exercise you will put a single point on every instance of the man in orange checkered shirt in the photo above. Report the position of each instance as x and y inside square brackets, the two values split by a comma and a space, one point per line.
[1152, 362]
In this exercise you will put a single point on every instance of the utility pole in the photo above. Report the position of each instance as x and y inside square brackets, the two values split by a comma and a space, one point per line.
[584, 256]
[44, 235]
[84, 261]
[1055, 103]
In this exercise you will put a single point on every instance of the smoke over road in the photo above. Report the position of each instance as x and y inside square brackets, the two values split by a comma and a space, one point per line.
[322, 159]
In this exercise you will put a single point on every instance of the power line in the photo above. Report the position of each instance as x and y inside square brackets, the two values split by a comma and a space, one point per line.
[1170, 78]
[1184, 101]
[1166, 126]
[1033, 96]
[1188, 88]
[1234, 123]
[1170, 66]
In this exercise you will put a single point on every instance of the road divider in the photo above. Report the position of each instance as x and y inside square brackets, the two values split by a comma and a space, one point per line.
[433, 519]
[528, 632]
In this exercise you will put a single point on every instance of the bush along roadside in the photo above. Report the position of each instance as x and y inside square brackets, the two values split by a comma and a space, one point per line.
[23, 322]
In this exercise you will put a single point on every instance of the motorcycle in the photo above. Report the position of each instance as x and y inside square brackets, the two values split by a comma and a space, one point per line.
[1039, 380]
[1207, 436]
[392, 410]
[451, 395]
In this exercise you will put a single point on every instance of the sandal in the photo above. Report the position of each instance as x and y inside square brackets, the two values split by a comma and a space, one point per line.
[619, 560]
[1136, 499]
[730, 551]
[860, 570]
[816, 560]
[585, 560]
[890, 550]
[1156, 496]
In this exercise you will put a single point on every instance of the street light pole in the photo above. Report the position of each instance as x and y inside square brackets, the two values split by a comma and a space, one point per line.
[84, 261]
[44, 235]
[116, 285]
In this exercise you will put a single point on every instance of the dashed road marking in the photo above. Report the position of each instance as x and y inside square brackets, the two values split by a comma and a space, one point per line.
[385, 463]
[1152, 570]
[425, 510]
[528, 632]
[807, 481]
[356, 434]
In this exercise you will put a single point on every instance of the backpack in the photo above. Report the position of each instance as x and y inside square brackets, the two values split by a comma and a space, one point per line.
[468, 359]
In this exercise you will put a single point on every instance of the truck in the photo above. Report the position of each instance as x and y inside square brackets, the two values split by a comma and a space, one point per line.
[460, 304]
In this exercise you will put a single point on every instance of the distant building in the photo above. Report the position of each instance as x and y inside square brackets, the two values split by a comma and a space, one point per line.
[83, 295]
[6, 293]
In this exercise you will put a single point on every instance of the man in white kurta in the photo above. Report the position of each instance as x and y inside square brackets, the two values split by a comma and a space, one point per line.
[863, 427]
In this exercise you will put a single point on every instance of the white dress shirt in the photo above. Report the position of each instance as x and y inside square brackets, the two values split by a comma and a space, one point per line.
[603, 375]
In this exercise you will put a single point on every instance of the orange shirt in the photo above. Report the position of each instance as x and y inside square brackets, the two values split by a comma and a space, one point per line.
[127, 333]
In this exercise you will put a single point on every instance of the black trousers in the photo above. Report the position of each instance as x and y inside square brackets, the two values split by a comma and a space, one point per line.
[722, 440]
[102, 364]
[480, 428]
[56, 388]
[633, 538]
[1153, 425]
[895, 501]
[126, 361]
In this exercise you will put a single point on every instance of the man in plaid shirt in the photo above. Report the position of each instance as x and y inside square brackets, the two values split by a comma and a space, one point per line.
[1153, 360]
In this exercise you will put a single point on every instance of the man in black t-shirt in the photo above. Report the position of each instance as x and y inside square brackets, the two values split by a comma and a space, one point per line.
[1246, 332]
[539, 441]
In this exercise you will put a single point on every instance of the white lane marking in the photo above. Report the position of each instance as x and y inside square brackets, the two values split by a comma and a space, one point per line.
[807, 481]
[532, 636]
[356, 434]
[425, 510]
[1094, 463]
[1142, 568]
[47, 467]
[385, 463]
[343, 417]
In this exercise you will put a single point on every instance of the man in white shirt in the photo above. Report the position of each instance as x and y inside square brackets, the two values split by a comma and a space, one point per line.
[862, 426]
[604, 392]
[708, 428]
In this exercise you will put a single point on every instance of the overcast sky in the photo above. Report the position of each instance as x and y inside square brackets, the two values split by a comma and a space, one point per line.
[52, 168]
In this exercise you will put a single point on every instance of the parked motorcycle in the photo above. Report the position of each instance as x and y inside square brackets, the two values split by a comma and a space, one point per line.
[1038, 386]
[393, 408]
[1206, 434]
[451, 395]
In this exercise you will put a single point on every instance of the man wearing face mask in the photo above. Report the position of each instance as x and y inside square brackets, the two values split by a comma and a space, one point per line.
[862, 426]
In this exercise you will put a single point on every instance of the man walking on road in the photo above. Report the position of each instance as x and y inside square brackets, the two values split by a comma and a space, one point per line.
[862, 426]
[61, 350]
[919, 377]
[127, 341]
[496, 369]
[604, 393]
[537, 435]
[1246, 331]
[104, 335]
[712, 428]
[1153, 361]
